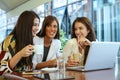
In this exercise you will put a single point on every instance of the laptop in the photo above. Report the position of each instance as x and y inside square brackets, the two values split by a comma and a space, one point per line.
[101, 55]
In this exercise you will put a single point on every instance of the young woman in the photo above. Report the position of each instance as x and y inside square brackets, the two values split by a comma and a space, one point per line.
[76, 49]
[16, 50]
[48, 38]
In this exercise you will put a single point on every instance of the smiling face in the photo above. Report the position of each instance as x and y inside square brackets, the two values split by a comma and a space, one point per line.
[80, 29]
[51, 30]
[35, 27]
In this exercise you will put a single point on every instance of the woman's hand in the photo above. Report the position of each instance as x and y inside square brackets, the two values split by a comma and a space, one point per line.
[26, 51]
[83, 42]
[71, 62]
[52, 63]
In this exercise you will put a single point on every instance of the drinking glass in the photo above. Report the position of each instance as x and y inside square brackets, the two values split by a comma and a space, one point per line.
[60, 65]
[76, 56]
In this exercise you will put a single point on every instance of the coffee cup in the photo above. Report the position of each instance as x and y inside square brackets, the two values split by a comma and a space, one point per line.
[38, 49]
[76, 57]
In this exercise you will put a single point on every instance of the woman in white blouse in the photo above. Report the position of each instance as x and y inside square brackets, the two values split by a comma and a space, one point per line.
[48, 38]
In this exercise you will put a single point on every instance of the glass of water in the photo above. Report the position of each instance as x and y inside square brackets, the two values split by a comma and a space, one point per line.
[61, 65]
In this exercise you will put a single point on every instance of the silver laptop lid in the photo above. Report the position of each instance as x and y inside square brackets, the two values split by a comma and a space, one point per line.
[102, 55]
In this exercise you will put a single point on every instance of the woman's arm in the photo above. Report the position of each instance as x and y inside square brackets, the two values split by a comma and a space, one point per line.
[67, 50]
[25, 52]
[7, 62]
[49, 63]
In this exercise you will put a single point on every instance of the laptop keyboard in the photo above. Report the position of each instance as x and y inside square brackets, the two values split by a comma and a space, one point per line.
[76, 67]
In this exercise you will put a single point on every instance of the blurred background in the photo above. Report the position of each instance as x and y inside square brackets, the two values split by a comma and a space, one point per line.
[104, 14]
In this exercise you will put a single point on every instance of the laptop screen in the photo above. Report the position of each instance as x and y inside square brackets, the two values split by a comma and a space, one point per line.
[102, 55]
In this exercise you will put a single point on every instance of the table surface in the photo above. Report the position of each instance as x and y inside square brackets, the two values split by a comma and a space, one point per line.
[108, 74]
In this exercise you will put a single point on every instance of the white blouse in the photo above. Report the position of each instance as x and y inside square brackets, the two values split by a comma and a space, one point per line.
[54, 49]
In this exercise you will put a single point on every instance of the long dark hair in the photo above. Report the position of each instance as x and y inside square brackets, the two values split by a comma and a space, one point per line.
[47, 21]
[23, 32]
[91, 36]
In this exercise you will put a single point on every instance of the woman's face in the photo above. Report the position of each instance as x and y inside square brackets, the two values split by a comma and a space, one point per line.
[51, 30]
[35, 27]
[81, 30]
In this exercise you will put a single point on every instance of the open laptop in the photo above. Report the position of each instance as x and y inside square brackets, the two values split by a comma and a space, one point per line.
[101, 55]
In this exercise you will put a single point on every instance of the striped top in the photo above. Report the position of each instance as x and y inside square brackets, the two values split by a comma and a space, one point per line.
[7, 51]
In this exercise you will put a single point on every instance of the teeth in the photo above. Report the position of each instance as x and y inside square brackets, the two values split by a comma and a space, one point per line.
[51, 32]
[34, 32]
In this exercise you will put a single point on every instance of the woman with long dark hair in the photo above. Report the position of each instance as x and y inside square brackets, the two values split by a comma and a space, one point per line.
[16, 50]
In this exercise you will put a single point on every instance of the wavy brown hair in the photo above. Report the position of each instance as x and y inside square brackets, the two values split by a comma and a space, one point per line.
[47, 21]
[88, 24]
